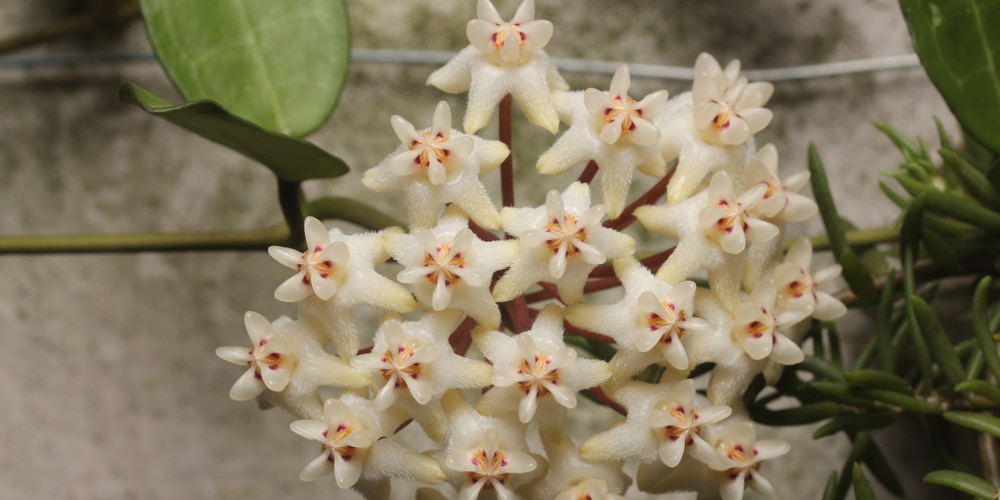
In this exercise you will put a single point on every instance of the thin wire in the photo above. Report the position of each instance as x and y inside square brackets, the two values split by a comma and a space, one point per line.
[430, 57]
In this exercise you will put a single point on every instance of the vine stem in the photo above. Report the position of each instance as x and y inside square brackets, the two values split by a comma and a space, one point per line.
[507, 137]
[145, 242]
[519, 314]
[344, 209]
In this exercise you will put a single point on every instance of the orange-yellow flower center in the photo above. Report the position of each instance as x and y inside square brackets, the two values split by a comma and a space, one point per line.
[322, 268]
[399, 365]
[759, 328]
[272, 360]
[430, 145]
[346, 452]
[624, 107]
[726, 224]
[668, 320]
[500, 36]
[538, 373]
[489, 465]
[565, 233]
[442, 264]
[721, 120]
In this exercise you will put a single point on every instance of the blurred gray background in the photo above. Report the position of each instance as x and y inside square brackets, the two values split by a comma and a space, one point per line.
[109, 386]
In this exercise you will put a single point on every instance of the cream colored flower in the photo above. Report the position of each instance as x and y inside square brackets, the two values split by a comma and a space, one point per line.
[504, 58]
[485, 453]
[727, 108]
[450, 268]
[740, 455]
[271, 357]
[319, 270]
[413, 365]
[529, 367]
[727, 219]
[650, 324]
[757, 327]
[355, 446]
[436, 166]
[780, 201]
[342, 267]
[710, 129]
[663, 423]
[797, 289]
[612, 129]
[561, 242]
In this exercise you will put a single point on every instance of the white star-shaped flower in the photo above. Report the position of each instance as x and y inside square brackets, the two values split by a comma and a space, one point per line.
[450, 268]
[272, 358]
[334, 274]
[780, 201]
[436, 166]
[727, 108]
[319, 270]
[535, 364]
[680, 421]
[739, 456]
[663, 422]
[728, 220]
[561, 242]
[287, 364]
[413, 365]
[355, 446]
[713, 228]
[799, 290]
[504, 58]
[695, 142]
[757, 327]
[485, 453]
[612, 129]
[649, 324]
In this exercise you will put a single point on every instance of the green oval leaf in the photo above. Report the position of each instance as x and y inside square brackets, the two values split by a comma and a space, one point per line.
[879, 379]
[281, 65]
[977, 421]
[959, 46]
[962, 481]
[858, 277]
[291, 159]
[937, 340]
[824, 200]
[862, 489]
[981, 326]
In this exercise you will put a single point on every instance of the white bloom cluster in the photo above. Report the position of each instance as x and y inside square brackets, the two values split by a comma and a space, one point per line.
[518, 299]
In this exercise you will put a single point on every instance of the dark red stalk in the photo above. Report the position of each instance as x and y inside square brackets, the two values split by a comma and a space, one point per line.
[507, 167]
[589, 172]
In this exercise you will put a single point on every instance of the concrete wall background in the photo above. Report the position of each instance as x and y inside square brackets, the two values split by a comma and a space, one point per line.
[109, 386]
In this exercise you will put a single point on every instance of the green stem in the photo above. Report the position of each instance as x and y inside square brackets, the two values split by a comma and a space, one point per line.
[146, 242]
[324, 208]
[855, 238]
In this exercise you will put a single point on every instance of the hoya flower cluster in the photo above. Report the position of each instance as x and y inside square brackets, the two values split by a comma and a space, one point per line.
[478, 343]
